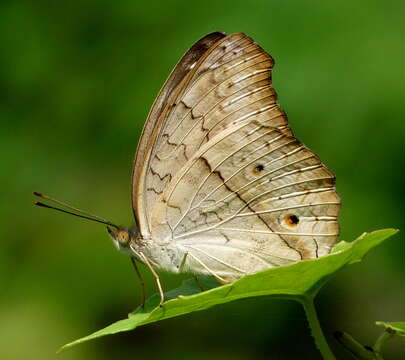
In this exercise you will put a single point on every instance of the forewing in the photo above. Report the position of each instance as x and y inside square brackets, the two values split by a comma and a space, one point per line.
[227, 82]
[156, 118]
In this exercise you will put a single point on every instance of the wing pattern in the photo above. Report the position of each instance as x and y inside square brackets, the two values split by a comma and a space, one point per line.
[225, 179]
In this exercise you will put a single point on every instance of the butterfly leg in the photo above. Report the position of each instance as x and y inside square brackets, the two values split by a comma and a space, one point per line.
[181, 268]
[138, 274]
[155, 275]
[198, 282]
[223, 281]
[183, 262]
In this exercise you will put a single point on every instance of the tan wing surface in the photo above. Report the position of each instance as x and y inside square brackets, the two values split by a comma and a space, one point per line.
[222, 174]
[226, 179]
[253, 197]
[159, 112]
[196, 109]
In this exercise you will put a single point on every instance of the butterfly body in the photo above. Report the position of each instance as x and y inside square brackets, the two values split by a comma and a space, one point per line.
[162, 255]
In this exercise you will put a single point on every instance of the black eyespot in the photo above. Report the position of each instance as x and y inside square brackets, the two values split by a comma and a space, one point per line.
[258, 168]
[292, 219]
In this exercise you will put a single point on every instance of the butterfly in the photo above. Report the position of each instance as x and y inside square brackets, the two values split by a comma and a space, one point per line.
[220, 185]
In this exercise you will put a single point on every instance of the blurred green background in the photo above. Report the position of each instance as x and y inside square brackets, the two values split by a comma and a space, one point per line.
[77, 80]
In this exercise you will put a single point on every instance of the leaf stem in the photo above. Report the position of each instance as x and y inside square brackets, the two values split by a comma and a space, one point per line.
[387, 334]
[358, 350]
[316, 330]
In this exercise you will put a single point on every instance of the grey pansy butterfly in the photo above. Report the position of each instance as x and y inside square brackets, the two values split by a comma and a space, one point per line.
[220, 185]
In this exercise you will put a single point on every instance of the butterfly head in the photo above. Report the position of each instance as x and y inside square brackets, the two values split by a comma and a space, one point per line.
[122, 237]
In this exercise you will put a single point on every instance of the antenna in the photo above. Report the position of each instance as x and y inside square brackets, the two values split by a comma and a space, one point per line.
[81, 213]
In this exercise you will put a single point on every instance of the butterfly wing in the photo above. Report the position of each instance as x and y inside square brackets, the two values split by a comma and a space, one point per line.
[223, 177]
[251, 198]
[158, 115]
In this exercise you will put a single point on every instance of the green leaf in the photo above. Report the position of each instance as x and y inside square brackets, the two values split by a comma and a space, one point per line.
[340, 246]
[296, 281]
[397, 327]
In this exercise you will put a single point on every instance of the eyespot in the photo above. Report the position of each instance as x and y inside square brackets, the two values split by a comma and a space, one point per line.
[292, 220]
[259, 168]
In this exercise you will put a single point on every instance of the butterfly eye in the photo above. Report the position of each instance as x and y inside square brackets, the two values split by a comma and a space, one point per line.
[123, 237]
[259, 168]
[292, 220]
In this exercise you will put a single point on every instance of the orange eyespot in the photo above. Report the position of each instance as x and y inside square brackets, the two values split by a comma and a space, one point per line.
[292, 220]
